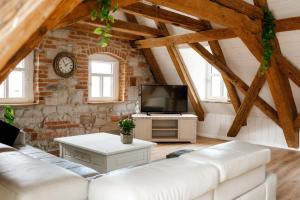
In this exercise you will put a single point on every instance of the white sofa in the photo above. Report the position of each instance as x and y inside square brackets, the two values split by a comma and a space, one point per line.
[234, 170]
[26, 178]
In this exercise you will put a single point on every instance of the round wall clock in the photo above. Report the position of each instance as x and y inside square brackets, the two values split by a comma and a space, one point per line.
[64, 64]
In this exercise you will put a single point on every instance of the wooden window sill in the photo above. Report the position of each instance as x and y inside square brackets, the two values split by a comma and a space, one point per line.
[216, 101]
[105, 102]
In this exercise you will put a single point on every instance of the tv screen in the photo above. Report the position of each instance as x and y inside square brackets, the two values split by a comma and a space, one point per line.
[164, 98]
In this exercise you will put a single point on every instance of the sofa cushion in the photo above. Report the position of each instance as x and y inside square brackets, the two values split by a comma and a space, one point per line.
[25, 178]
[4, 148]
[79, 169]
[237, 186]
[170, 179]
[232, 158]
[8, 134]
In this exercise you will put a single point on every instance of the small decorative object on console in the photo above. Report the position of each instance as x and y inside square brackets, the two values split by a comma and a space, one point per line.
[64, 64]
[126, 126]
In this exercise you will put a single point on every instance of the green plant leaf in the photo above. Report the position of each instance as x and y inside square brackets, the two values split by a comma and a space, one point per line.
[94, 14]
[9, 114]
[98, 31]
[103, 12]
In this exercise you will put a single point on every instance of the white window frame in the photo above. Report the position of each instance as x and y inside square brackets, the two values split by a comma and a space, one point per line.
[208, 96]
[115, 75]
[28, 96]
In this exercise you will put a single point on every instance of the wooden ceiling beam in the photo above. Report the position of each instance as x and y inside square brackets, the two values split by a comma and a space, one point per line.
[247, 104]
[209, 35]
[233, 95]
[79, 13]
[278, 84]
[297, 121]
[242, 7]
[150, 58]
[127, 27]
[183, 74]
[234, 79]
[282, 25]
[213, 12]
[63, 8]
[165, 16]
[288, 24]
[84, 9]
[19, 20]
[87, 28]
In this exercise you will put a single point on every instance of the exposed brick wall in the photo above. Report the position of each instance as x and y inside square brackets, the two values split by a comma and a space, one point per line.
[62, 107]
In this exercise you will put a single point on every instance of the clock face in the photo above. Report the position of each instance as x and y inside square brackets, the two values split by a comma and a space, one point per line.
[64, 64]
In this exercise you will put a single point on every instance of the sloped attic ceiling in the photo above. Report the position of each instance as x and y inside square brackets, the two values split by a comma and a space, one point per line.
[240, 18]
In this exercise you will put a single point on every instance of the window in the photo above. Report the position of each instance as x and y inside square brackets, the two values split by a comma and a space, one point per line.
[18, 87]
[103, 78]
[215, 87]
[207, 80]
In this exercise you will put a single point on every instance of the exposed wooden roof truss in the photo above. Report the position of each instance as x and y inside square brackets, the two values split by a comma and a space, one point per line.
[239, 18]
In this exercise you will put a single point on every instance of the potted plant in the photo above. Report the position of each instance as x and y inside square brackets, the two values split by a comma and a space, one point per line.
[126, 126]
[8, 132]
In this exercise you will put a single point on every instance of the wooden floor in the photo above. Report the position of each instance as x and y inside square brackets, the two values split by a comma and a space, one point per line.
[284, 163]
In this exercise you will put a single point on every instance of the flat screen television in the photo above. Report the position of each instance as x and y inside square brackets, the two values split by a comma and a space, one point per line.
[164, 98]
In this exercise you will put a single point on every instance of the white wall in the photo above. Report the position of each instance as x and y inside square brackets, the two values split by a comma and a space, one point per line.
[219, 116]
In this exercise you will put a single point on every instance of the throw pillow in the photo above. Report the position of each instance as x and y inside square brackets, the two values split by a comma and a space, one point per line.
[8, 133]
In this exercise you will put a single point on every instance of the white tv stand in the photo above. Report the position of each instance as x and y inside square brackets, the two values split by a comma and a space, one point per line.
[166, 127]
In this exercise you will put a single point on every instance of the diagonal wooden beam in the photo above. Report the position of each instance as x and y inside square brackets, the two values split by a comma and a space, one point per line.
[242, 7]
[165, 16]
[83, 10]
[234, 79]
[297, 121]
[183, 74]
[61, 11]
[80, 12]
[277, 83]
[127, 27]
[154, 67]
[247, 104]
[234, 98]
[213, 12]
[19, 20]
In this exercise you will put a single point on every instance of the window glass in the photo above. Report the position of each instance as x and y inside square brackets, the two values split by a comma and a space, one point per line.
[207, 80]
[103, 78]
[18, 87]
[95, 85]
[107, 86]
[2, 91]
[15, 86]
[99, 67]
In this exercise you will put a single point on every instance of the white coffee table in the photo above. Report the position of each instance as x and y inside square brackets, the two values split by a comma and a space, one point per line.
[104, 152]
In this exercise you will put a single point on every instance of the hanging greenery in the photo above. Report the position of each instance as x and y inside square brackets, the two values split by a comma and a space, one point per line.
[104, 13]
[268, 34]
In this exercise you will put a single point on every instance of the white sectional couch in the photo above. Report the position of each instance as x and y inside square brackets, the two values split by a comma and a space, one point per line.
[233, 170]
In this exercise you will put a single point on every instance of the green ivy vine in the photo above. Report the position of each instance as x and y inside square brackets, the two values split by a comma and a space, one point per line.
[104, 13]
[268, 34]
